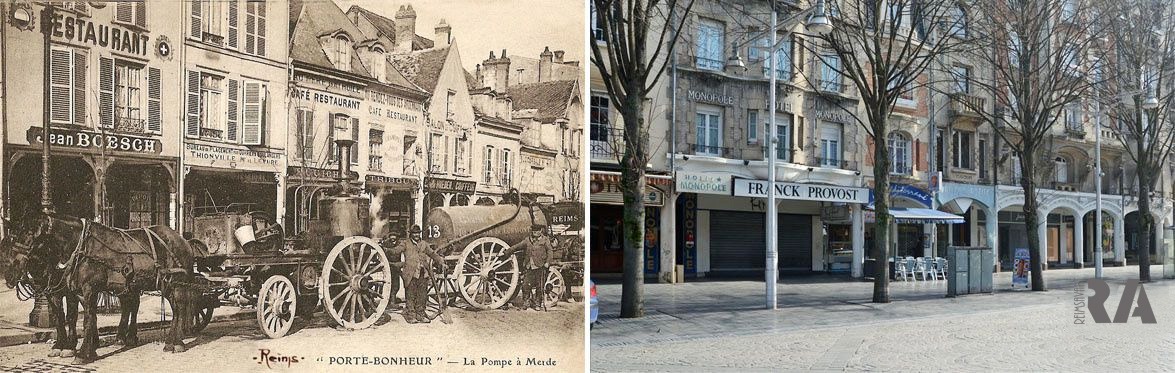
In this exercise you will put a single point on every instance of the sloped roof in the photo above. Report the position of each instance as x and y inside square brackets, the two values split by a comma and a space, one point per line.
[422, 67]
[549, 99]
[387, 27]
[315, 19]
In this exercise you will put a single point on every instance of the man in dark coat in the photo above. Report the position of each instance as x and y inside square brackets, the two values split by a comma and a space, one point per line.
[418, 256]
[392, 243]
[534, 262]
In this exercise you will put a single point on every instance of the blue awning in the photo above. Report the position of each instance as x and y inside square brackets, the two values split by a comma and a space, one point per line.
[923, 216]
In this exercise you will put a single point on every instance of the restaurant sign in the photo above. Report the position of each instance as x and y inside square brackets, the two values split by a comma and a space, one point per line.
[234, 158]
[797, 191]
[96, 141]
[85, 31]
[703, 183]
[449, 185]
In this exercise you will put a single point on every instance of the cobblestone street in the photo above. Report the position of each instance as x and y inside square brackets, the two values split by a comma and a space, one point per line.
[827, 324]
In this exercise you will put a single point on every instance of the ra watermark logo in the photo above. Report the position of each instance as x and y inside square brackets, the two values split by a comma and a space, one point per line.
[1133, 293]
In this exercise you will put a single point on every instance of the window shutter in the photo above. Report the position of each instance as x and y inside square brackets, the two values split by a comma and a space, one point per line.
[231, 123]
[309, 142]
[920, 151]
[260, 28]
[250, 27]
[232, 23]
[193, 123]
[330, 139]
[300, 123]
[196, 25]
[355, 138]
[141, 14]
[61, 93]
[79, 86]
[123, 11]
[251, 123]
[154, 117]
[106, 92]
[869, 144]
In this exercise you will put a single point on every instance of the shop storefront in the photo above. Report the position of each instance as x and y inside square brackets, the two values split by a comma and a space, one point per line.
[393, 201]
[607, 227]
[441, 192]
[227, 178]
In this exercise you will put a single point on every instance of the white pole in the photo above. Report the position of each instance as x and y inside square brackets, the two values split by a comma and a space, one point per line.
[772, 264]
[1097, 245]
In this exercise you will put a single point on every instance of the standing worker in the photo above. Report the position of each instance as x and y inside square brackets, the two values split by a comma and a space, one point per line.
[537, 250]
[396, 248]
[418, 256]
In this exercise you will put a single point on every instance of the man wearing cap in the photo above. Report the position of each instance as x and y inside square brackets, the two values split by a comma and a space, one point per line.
[417, 255]
[395, 248]
[537, 254]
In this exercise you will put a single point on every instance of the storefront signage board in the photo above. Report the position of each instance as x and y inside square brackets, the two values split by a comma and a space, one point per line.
[609, 194]
[703, 183]
[96, 141]
[449, 185]
[401, 182]
[804, 192]
[232, 158]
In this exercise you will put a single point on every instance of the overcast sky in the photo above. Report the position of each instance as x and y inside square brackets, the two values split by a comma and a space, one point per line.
[522, 27]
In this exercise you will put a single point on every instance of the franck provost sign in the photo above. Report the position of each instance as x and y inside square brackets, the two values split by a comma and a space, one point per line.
[806, 192]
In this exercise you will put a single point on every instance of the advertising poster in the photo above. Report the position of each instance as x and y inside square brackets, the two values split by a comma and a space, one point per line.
[1022, 268]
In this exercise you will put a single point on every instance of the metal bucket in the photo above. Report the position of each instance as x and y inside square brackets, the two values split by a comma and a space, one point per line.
[245, 234]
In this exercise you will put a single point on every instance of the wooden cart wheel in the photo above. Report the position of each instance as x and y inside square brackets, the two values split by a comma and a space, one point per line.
[354, 282]
[200, 317]
[484, 279]
[276, 303]
[555, 289]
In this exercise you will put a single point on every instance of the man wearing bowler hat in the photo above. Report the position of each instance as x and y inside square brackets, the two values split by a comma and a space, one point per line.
[418, 256]
[537, 250]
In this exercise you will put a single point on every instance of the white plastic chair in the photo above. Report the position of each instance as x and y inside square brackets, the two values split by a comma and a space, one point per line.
[899, 267]
[928, 269]
[911, 268]
[942, 266]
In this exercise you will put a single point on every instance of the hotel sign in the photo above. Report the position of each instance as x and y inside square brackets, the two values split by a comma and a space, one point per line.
[95, 141]
[703, 183]
[710, 97]
[804, 192]
[234, 158]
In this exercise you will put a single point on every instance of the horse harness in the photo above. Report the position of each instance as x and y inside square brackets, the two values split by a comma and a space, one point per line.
[127, 273]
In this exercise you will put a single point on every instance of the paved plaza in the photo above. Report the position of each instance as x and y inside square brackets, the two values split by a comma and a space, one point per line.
[826, 323]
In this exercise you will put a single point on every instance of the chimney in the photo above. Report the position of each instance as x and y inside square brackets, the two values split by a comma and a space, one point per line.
[496, 72]
[559, 57]
[405, 29]
[545, 61]
[444, 33]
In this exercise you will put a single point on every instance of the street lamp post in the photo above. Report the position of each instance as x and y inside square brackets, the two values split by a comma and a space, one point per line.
[818, 22]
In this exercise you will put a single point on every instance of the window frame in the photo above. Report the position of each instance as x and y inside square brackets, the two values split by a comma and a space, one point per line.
[710, 137]
[834, 157]
[962, 141]
[122, 99]
[213, 105]
[710, 45]
[899, 146]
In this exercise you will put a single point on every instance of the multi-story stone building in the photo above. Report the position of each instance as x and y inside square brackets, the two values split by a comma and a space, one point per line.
[101, 77]
[234, 85]
[708, 132]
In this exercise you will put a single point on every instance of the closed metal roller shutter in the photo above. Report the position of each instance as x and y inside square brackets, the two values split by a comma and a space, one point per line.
[737, 242]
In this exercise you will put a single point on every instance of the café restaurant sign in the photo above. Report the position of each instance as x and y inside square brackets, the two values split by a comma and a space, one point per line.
[82, 30]
[804, 192]
[96, 141]
[327, 98]
[225, 157]
[449, 185]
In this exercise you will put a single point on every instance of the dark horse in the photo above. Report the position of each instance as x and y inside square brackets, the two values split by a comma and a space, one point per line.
[90, 258]
[30, 275]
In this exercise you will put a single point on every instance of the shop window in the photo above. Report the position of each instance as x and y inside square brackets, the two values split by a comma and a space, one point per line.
[131, 13]
[255, 29]
[899, 153]
[67, 85]
[305, 135]
[489, 165]
[507, 169]
[710, 45]
[375, 159]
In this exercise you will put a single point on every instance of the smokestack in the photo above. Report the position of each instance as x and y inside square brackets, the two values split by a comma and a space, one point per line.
[344, 157]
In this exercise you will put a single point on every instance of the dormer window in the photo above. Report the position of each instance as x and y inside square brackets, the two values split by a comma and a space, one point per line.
[378, 64]
[342, 52]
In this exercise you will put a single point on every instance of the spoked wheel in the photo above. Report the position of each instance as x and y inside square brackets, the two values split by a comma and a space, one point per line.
[438, 298]
[354, 283]
[554, 289]
[276, 303]
[486, 280]
[200, 319]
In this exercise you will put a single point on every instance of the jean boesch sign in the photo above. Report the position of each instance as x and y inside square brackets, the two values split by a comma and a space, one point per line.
[805, 192]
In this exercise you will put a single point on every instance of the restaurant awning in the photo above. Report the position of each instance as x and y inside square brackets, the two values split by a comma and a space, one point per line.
[923, 216]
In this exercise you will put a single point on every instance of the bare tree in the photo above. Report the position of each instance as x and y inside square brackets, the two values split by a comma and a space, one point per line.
[1036, 51]
[638, 42]
[882, 48]
[1141, 70]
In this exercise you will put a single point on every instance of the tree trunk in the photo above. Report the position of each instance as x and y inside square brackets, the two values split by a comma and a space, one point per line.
[881, 238]
[632, 186]
[1032, 216]
[1145, 225]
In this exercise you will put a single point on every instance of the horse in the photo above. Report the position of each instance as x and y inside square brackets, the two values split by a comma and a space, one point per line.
[96, 258]
[30, 275]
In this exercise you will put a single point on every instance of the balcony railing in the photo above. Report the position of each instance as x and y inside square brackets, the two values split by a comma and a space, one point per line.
[833, 86]
[705, 63]
[834, 163]
[963, 104]
[900, 169]
[211, 133]
[1075, 128]
[711, 150]
[132, 125]
[601, 150]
